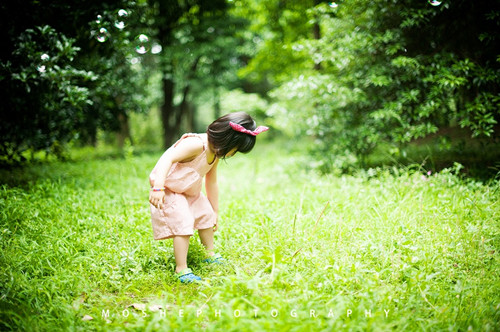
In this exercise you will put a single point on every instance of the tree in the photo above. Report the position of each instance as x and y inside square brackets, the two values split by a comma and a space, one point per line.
[64, 72]
[199, 42]
[390, 72]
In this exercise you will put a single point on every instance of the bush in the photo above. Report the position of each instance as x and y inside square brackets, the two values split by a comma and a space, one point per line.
[45, 94]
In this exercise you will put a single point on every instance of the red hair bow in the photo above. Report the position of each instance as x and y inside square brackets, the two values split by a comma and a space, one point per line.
[241, 129]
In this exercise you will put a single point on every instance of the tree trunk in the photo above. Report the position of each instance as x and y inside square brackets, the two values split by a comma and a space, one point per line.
[124, 132]
[185, 108]
[168, 112]
[217, 103]
[168, 11]
[192, 112]
[190, 118]
[317, 34]
[93, 138]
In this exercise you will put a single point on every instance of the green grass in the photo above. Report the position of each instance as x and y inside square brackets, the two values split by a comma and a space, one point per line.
[76, 240]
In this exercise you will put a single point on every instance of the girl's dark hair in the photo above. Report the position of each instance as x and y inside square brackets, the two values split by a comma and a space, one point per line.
[223, 138]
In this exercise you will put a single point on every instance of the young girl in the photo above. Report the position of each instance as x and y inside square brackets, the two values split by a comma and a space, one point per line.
[177, 204]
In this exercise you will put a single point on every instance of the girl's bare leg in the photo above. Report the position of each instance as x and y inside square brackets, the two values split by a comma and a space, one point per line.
[181, 246]
[207, 239]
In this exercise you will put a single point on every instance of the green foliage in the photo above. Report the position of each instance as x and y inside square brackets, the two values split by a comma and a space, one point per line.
[66, 74]
[274, 25]
[423, 246]
[126, 81]
[145, 129]
[46, 94]
[380, 71]
[353, 75]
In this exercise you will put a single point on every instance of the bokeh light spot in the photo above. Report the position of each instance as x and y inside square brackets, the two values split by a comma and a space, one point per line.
[103, 35]
[119, 24]
[156, 49]
[434, 2]
[142, 44]
[122, 13]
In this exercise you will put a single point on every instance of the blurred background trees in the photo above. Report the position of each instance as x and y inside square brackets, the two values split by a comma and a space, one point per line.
[65, 73]
[73, 69]
[354, 76]
[379, 72]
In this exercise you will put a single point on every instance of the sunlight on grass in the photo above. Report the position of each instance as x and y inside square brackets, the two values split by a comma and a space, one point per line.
[382, 249]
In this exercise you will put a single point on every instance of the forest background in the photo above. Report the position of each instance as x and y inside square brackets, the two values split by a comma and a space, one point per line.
[377, 187]
[362, 80]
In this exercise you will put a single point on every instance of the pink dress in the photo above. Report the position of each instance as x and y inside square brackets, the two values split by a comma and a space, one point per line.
[185, 207]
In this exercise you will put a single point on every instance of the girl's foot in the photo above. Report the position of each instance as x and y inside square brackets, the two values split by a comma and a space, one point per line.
[215, 259]
[187, 276]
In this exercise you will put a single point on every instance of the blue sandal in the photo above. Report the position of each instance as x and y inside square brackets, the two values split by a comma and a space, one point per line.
[187, 276]
[215, 259]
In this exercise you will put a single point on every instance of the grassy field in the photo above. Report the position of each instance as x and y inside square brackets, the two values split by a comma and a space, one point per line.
[394, 248]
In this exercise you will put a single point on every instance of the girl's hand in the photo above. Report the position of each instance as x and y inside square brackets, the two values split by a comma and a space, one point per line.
[216, 226]
[156, 198]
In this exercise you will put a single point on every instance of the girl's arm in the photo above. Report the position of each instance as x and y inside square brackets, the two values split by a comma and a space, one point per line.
[212, 189]
[185, 150]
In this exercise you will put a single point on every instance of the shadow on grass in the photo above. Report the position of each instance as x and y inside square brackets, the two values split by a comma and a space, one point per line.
[480, 160]
[26, 173]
